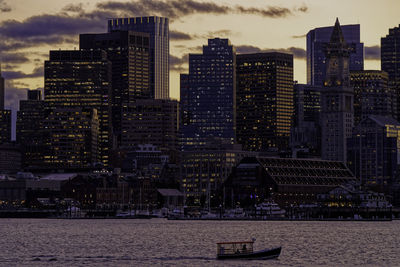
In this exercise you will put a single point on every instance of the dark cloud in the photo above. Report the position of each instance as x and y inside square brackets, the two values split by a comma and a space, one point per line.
[75, 8]
[13, 58]
[179, 36]
[372, 52]
[299, 36]
[4, 7]
[297, 52]
[49, 26]
[13, 75]
[178, 64]
[175, 9]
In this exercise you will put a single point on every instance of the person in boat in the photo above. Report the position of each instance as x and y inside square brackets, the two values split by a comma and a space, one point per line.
[244, 248]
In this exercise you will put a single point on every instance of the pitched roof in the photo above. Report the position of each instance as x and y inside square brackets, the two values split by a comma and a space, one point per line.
[383, 120]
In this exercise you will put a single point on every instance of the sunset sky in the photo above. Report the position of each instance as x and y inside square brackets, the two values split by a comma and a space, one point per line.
[30, 28]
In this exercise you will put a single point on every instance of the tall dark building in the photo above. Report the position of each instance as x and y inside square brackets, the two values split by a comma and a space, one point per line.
[129, 53]
[77, 80]
[158, 30]
[372, 96]
[208, 96]
[317, 40]
[1, 91]
[30, 119]
[373, 151]
[390, 62]
[305, 135]
[264, 99]
[5, 116]
[5, 126]
[336, 99]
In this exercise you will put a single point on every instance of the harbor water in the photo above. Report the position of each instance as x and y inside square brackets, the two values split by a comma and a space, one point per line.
[152, 242]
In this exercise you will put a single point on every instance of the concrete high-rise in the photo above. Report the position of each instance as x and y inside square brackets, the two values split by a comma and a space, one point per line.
[336, 99]
[372, 96]
[317, 40]
[158, 29]
[264, 96]
[208, 96]
[150, 121]
[129, 54]
[78, 81]
[390, 62]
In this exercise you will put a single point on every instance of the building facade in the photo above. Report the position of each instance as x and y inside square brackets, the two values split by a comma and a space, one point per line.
[81, 79]
[158, 29]
[318, 38]
[2, 88]
[129, 54]
[150, 121]
[29, 128]
[305, 136]
[71, 139]
[5, 126]
[374, 151]
[390, 63]
[285, 181]
[264, 97]
[372, 95]
[336, 99]
[208, 96]
[203, 172]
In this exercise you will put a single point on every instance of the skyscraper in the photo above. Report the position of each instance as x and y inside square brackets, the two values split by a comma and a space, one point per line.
[129, 54]
[305, 135]
[30, 119]
[208, 96]
[264, 100]
[317, 40]
[158, 29]
[5, 116]
[372, 96]
[79, 80]
[390, 62]
[336, 99]
[5, 126]
[1, 91]
[373, 151]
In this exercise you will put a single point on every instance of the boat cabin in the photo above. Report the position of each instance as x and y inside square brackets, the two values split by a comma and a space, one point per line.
[234, 248]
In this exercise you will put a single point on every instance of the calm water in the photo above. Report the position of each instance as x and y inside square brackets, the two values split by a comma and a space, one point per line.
[37, 242]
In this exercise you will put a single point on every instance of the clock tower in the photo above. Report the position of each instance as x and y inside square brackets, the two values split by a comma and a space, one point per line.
[336, 99]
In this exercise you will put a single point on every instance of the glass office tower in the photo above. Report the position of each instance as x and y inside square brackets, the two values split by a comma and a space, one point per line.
[317, 40]
[208, 92]
[158, 29]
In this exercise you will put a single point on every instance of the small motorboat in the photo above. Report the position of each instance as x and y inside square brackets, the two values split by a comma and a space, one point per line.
[244, 250]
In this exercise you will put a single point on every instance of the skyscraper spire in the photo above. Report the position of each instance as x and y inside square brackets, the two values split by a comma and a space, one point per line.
[337, 34]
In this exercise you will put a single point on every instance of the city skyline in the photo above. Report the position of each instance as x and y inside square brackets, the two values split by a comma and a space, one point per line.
[24, 51]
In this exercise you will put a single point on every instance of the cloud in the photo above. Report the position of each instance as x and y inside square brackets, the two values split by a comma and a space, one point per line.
[179, 36]
[175, 9]
[13, 75]
[372, 52]
[13, 58]
[4, 7]
[75, 8]
[299, 36]
[297, 52]
[178, 64]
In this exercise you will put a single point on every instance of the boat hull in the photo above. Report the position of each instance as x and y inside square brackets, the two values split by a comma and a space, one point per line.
[258, 255]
